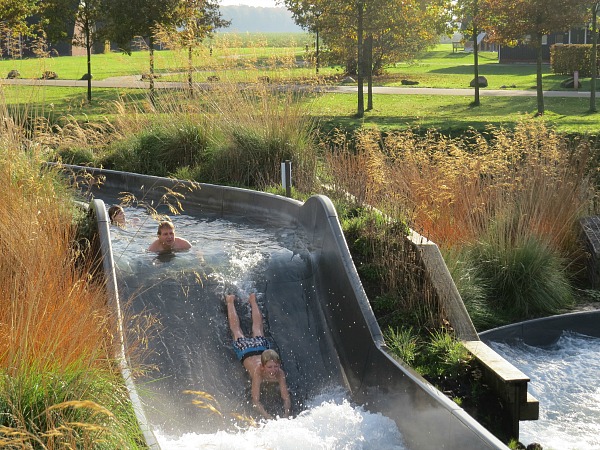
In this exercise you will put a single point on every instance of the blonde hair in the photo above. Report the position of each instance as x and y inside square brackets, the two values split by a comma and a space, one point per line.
[165, 224]
[269, 355]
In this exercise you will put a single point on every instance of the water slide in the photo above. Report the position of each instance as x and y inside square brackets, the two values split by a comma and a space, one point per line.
[316, 309]
[546, 331]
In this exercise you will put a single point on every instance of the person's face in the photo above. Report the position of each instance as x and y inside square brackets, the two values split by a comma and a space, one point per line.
[167, 236]
[271, 368]
[119, 217]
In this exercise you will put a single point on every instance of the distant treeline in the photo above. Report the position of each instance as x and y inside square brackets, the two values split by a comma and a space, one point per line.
[257, 19]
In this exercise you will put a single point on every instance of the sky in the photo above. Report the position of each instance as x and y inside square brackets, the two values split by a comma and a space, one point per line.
[264, 3]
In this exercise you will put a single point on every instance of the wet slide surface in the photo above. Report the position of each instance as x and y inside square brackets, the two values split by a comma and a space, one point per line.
[190, 349]
[295, 257]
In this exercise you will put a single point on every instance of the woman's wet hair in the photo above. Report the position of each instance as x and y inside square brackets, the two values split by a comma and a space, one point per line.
[113, 211]
[269, 355]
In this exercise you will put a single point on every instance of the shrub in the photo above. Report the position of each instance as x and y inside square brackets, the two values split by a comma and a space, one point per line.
[525, 278]
[403, 343]
[261, 128]
[566, 59]
[77, 156]
[444, 356]
[473, 290]
[453, 191]
[159, 150]
[59, 387]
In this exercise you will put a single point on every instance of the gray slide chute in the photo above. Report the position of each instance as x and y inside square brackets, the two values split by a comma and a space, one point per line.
[547, 330]
[317, 312]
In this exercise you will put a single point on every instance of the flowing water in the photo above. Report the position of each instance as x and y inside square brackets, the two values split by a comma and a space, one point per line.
[184, 290]
[564, 378]
[329, 422]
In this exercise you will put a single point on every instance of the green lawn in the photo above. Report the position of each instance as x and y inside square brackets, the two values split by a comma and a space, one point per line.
[439, 68]
[452, 113]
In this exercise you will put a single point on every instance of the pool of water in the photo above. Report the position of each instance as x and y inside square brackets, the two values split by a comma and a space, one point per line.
[192, 349]
[564, 378]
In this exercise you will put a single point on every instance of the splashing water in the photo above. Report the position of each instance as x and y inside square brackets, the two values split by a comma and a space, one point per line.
[564, 378]
[331, 424]
[238, 254]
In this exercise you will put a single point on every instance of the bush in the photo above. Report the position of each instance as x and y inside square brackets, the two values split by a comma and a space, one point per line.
[403, 343]
[524, 277]
[473, 290]
[260, 129]
[566, 59]
[76, 156]
[159, 150]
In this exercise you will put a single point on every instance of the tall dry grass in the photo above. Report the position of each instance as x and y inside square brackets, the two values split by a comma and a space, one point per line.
[261, 127]
[506, 190]
[458, 188]
[453, 189]
[59, 387]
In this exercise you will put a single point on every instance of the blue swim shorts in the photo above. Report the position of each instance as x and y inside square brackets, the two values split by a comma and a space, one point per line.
[250, 346]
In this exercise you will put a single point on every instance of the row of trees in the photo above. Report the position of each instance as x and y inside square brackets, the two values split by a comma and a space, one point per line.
[365, 35]
[510, 22]
[372, 33]
[184, 23]
[369, 34]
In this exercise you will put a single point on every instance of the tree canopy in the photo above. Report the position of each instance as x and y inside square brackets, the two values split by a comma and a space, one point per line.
[511, 22]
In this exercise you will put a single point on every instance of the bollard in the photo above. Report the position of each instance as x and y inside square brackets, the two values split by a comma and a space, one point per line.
[576, 80]
[286, 177]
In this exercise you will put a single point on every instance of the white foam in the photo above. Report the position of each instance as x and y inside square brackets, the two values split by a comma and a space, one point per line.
[331, 425]
[564, 378]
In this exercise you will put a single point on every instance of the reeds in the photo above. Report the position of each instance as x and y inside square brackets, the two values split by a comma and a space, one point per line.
[58, 385]
[518, 193]
[262, 127]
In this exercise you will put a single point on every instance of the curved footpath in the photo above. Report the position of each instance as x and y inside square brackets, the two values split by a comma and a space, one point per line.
[134, 82]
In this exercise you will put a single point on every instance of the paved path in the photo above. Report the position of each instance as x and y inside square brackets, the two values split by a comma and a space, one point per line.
[134, 82]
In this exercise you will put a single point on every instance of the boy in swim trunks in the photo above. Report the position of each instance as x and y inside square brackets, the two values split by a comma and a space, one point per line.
[261, 363]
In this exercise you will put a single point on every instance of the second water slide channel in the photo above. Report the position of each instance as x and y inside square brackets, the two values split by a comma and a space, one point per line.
[348, 391]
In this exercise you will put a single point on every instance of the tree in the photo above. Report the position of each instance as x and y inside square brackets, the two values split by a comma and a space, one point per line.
[306, 14]
[370, 34]
[594, 56]
[14, 13]
[527, 21]
[126, 19]
[398, 31]
[76, 21]
[468, 14]
[13, 21]
[198, 20]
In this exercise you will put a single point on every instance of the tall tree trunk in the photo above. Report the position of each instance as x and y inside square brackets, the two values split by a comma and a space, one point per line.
[594, 57]
[151, 45]
[317, 51]
[540, 89]
[369, 67]
[361, 101]
[88, 48]
[190, 69]
[476, 101]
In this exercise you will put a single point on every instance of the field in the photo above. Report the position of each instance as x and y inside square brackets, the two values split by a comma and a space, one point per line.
[237, 60]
